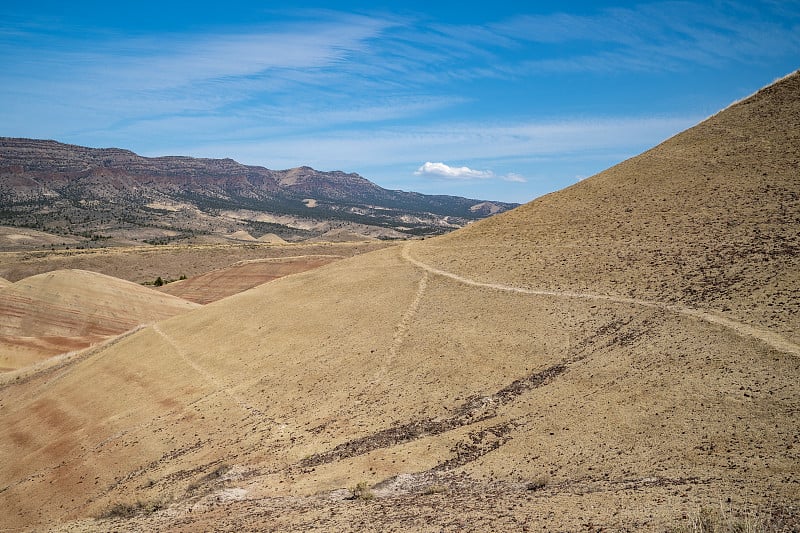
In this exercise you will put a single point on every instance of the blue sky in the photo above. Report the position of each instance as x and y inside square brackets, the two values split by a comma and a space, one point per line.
[501, 100]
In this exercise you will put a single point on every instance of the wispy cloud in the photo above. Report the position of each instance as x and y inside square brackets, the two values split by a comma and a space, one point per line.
[132, 78]
[335, 68]
[177, 59]
[663, 36]
[505, 148]
[363, 91]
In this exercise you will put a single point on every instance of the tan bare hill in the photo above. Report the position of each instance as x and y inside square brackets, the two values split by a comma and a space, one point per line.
[218, 284]
[13, 238]
[342, 235]
[4, 283]
[240, 235]
[68, 310]
[482, 381]
[145, 263]
[708, 219]
[271, 238]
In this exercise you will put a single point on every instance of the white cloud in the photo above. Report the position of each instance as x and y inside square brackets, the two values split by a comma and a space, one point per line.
[446, 171]
[464, 173]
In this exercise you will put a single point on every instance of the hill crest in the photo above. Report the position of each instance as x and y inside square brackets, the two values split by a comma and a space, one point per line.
[67, 310]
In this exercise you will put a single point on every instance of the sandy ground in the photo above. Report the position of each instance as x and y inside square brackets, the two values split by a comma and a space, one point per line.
[639, 417]
[43, 316]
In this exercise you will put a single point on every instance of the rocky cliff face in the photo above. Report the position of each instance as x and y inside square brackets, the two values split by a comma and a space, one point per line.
[65, 188]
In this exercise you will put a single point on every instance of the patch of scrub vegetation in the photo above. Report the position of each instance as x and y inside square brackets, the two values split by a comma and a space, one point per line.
[361, 492]
[159, 281]
[707, 520]
[537, 483]
[129, 510]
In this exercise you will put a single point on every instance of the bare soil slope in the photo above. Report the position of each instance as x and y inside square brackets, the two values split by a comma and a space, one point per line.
[271, 238]
[67, 310]
[709, 219]
[218, 284]
[12, 238]
[342, 235]
[569, 366]
[144, 264]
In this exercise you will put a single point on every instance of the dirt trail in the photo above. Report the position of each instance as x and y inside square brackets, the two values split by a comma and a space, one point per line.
[210, 378]
[402, 327]
[400, 332]
[773, 340]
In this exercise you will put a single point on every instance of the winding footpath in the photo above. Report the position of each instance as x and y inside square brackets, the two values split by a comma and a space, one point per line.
[400, 332]
[402, 327]
[771, 339]
[210, 378]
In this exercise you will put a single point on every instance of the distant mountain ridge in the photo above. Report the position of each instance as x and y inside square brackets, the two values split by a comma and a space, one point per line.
[60, 187]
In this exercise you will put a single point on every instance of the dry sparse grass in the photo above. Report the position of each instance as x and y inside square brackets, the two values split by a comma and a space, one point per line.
[723, 520]
[130, 510]
[537, 483]
[361, 492]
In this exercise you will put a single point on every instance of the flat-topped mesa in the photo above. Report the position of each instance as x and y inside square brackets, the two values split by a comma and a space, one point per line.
[36, 176]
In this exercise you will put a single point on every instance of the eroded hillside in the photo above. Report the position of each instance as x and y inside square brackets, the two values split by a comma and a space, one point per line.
[67, 310]
[570, 365]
